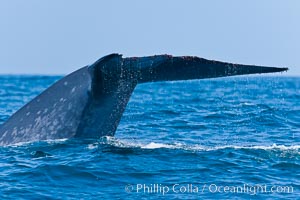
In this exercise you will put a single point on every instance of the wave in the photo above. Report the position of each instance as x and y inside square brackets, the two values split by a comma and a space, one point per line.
[50, 141]
[153, 145]
[123, 143]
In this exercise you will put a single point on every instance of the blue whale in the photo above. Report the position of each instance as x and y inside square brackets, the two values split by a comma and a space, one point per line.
[89, 102]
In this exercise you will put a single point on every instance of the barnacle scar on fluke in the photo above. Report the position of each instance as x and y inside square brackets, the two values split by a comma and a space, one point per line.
[89, 102]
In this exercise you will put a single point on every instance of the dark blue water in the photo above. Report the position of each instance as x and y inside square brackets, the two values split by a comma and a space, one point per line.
[228, 138]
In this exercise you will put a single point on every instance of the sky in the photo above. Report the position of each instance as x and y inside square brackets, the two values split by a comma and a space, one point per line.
[58, 37]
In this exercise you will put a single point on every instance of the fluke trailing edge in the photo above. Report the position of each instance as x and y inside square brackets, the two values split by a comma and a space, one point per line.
[89, 102]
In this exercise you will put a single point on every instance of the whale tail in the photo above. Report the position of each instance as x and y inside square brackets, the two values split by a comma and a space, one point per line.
[90, 102]
[169, 68]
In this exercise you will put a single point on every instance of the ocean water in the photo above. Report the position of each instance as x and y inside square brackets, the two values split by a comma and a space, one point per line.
[226, 138]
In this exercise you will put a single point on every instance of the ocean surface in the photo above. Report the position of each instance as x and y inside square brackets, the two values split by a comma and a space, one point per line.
[226, 138]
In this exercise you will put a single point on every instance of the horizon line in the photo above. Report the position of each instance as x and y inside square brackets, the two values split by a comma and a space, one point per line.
[62, 74]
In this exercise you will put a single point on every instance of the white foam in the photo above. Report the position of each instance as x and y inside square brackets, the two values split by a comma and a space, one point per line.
[122, 143]
[257, 147]
[153, 145]
[50, 141]
[92, 146]
[56, 140]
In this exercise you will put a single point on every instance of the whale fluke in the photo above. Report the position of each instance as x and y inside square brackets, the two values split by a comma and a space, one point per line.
[89, 102]
[169, 68]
